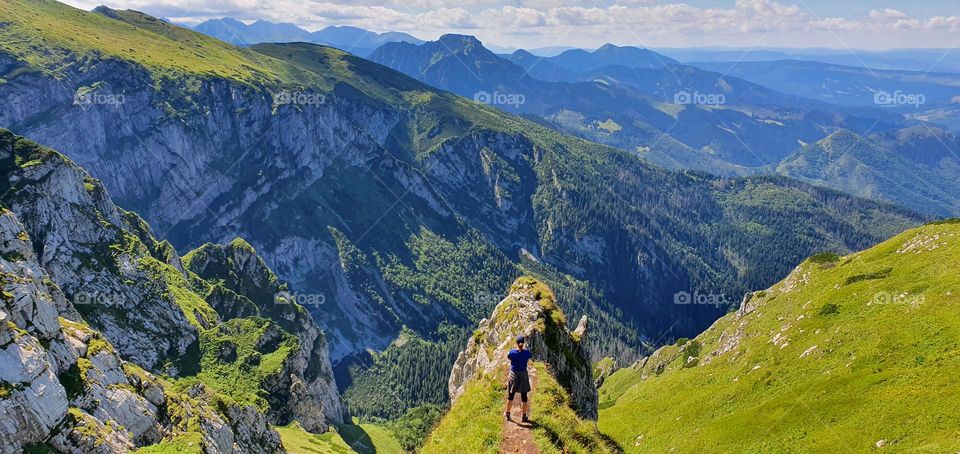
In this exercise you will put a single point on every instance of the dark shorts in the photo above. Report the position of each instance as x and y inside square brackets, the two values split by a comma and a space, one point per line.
[518, 382]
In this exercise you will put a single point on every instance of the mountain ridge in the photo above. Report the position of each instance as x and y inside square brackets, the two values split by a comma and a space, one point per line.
[347, 38]
[657, 110]
[859, 340]
[913, 167]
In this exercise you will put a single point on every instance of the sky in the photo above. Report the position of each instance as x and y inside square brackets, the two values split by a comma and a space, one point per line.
[838, 24]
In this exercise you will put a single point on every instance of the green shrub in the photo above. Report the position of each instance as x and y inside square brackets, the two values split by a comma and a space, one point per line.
[830, 309]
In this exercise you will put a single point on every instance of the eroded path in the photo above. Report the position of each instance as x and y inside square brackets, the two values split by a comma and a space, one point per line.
[517, 436]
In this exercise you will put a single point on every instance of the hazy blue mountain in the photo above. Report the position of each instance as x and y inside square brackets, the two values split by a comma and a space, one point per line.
[541, 68]
[579, 60]
[930, 96]
[844, 85]
[935, 60]
[550, 51]
[357, 40]
[656, 111]
[261, 31]
[351, 39]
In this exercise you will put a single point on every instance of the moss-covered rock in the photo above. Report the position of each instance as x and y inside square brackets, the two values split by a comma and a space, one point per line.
[530, 309]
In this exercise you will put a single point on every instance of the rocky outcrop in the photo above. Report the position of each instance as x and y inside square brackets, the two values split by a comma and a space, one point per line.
[530, 309]
[64, 387]
[93, 304]
[84, 243]
[304, 388]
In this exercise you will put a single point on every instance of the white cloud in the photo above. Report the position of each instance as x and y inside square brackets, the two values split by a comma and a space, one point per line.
[532, 23]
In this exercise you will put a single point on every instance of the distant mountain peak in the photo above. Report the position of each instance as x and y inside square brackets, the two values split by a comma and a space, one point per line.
[460, 40]
[105, 10]
[841, 135]
[522, 53]
[579, 60]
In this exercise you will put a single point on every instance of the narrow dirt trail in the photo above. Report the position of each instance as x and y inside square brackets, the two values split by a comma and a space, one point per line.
[517, 437]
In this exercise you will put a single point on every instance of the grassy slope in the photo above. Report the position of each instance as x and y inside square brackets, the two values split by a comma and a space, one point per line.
[473, 424]
[298, 441]
[363, 438]
[47, 33]
[885, 328]
[475, 421]
[868, 167]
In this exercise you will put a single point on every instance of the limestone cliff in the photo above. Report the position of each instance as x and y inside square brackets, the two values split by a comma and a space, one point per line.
[63, 386]
[94, 307]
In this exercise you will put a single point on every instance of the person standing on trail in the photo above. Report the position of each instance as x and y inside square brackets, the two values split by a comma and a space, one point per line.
[518, 381]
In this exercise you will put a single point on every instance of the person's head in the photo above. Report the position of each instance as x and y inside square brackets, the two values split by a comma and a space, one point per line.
[521, 341]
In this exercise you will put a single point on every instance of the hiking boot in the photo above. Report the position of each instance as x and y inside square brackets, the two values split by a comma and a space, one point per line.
[506, 415]
[525, 419]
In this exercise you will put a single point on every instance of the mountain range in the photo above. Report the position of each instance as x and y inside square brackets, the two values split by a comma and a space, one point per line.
[929, 96]
[675, 116]
[350, 39]
[403, 206]
[751, 129]
[920, 60]
[362, 242]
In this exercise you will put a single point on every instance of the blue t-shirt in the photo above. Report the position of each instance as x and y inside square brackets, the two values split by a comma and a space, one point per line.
[519, 359]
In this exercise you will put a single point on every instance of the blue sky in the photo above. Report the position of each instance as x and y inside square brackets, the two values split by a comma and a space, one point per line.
[839, 24]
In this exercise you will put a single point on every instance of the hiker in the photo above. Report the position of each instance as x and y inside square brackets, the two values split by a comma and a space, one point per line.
[518, 381]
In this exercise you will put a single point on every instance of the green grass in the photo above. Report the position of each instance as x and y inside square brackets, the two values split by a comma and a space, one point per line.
[474, 422]
[369, 438]
[296, 440]
[241, 375]
[67, 34]
[857, 360]
[186, 443]
[557, 429]
[177, 288]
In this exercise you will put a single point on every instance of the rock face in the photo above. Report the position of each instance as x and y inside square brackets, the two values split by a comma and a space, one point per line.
[92, 303]
[64, 387]
[530, 309]
[86, 245]
[304, 389]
